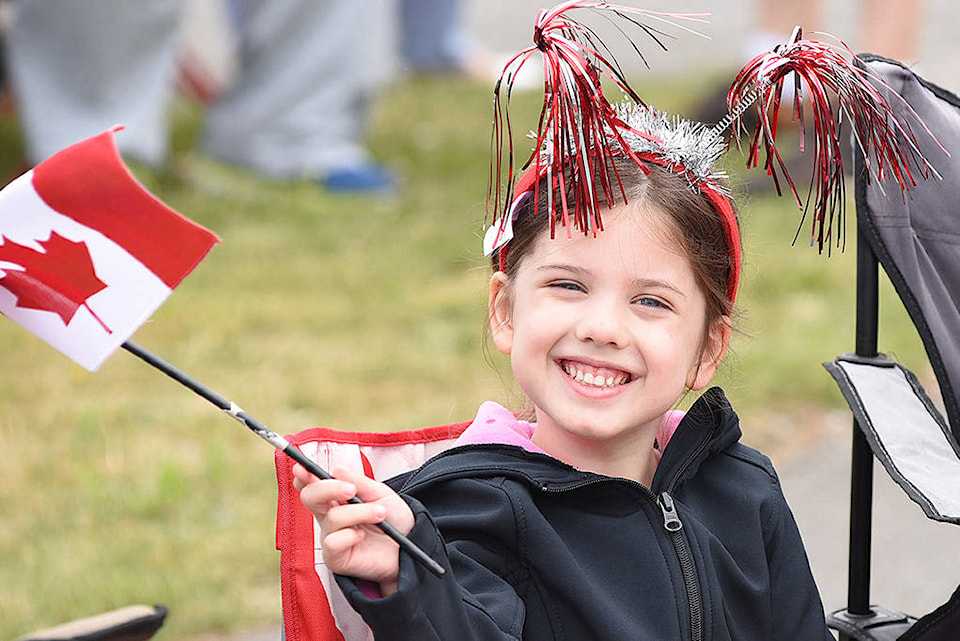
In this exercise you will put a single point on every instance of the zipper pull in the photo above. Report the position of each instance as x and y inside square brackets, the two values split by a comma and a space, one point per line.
[671, 522]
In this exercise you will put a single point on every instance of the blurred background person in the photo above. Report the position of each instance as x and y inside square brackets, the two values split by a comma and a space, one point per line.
[433, 39]
[889, 28]
[298, 107]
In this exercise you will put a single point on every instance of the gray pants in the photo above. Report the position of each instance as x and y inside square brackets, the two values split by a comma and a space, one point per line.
[298, 106]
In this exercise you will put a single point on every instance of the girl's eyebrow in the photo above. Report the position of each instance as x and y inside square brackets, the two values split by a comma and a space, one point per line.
[563, 267]
[657, 283]
[640, 283]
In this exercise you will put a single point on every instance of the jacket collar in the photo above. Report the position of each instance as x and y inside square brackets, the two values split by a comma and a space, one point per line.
[708, 427]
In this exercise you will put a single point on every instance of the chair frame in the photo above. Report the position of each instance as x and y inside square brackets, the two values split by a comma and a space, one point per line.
[862, 620]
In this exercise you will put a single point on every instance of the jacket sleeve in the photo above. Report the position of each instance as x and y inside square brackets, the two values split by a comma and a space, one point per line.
[794, 597]
[478, 597]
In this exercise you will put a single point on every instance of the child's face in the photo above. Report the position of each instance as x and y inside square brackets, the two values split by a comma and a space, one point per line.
[604, 333]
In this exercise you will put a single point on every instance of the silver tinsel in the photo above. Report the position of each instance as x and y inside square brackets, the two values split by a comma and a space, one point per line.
[686, 146]
[681, 144]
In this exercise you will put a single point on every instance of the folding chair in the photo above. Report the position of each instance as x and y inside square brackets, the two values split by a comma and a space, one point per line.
[917, 241]
[313, 607]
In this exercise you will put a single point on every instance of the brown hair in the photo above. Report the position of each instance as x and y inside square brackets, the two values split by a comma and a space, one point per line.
[697, 227]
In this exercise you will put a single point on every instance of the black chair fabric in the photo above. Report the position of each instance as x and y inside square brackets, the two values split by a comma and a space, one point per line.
[917, 238]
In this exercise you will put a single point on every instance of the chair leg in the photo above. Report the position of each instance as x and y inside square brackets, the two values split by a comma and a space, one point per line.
[880, 625]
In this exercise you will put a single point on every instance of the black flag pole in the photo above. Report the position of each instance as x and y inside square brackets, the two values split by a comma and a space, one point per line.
[275, 440]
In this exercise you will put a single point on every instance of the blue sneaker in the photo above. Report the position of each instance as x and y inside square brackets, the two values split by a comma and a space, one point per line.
[361, 179]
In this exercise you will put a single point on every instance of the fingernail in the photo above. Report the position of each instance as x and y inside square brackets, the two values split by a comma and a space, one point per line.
[350, 489]
[380, 512]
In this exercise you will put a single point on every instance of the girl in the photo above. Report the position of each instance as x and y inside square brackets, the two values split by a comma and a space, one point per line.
[612, 516]
[576, 527]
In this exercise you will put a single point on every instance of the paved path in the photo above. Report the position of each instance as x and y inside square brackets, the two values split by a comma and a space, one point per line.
[916, 561]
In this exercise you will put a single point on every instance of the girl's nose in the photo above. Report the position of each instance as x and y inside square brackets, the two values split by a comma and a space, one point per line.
[601, 321]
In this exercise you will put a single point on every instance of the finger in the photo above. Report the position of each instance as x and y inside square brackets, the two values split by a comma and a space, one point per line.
[352, 515]
[302, 476]
[339, 544]
[367, 488]
[371, 491]
[319, 495]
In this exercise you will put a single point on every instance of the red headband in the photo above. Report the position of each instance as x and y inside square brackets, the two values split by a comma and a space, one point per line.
[718, 200]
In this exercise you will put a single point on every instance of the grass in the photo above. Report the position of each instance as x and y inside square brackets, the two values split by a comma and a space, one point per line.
[120, 487]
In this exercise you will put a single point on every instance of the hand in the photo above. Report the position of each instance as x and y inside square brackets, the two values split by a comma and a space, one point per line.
[351, 543]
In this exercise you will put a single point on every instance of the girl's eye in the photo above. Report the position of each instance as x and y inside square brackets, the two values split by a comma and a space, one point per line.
[654, 303]
[566, 284]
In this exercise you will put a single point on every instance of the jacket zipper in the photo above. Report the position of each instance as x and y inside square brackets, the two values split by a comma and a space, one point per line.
[674, 526]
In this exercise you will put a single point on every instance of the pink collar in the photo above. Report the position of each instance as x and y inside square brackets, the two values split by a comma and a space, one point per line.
[496, 424]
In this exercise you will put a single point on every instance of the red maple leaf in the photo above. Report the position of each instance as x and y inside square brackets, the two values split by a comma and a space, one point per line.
[59, 279]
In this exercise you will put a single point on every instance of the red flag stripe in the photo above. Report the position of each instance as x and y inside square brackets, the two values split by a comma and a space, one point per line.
[89, 183]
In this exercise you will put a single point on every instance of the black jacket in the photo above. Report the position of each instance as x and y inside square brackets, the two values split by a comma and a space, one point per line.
[539, 550]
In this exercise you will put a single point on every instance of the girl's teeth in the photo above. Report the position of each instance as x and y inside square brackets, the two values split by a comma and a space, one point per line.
[594, 379]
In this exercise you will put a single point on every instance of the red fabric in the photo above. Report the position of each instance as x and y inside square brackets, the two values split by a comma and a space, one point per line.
[306, 610]
[367, 466]
[407, 437]
[307, 613]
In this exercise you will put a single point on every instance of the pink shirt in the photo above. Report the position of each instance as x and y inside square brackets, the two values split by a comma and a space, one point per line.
[496, 424]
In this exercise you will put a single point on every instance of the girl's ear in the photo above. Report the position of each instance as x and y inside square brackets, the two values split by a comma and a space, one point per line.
[498, 309]
[714, 348]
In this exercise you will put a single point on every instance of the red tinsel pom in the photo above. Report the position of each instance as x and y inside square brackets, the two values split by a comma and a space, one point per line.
[578, 129]
[827, 81]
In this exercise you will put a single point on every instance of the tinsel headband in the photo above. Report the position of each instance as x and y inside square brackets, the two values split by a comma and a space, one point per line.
[579, 130]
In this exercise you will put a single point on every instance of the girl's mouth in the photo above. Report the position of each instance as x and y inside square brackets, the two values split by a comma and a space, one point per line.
[595, 376]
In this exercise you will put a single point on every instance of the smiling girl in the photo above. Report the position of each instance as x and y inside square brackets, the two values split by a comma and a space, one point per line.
[604, 519]
[606, 332]
[611, 515]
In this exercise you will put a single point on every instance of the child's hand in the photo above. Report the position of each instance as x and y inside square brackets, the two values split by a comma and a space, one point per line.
[352, 544]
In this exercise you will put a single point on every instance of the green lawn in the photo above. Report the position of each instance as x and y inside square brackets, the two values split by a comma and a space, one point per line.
[121, 487]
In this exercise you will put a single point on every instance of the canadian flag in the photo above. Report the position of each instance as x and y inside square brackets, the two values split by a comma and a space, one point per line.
[87, 254]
